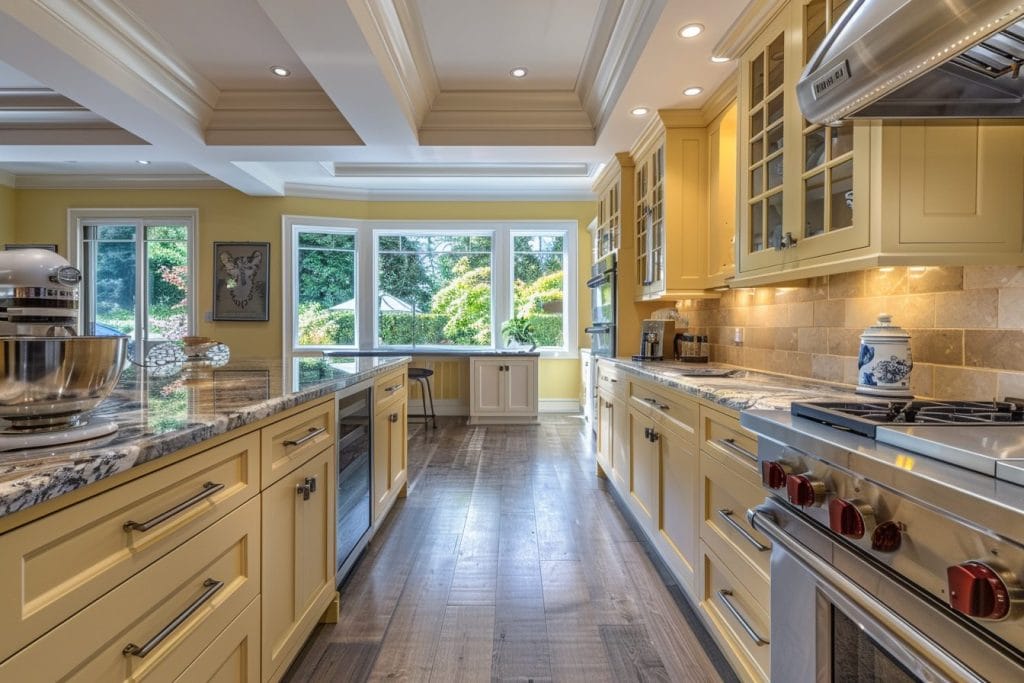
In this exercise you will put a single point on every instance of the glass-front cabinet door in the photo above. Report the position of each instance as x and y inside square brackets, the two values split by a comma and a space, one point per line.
[650, 222]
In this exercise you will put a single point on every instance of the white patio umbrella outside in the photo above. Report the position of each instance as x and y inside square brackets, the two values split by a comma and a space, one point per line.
[387, 303]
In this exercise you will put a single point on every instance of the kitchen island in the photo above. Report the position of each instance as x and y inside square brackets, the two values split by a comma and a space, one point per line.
[200, 537]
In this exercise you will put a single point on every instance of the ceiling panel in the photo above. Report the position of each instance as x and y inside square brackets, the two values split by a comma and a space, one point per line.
[474, 45]
[12, 78]
[232, 43]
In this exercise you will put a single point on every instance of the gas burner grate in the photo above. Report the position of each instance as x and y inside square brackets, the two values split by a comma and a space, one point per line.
[863, 417]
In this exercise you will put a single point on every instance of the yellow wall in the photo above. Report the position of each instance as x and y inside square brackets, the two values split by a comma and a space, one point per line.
[6, 214]
[225, 215]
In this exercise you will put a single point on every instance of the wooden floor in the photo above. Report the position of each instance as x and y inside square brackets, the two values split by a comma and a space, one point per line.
[509, 560]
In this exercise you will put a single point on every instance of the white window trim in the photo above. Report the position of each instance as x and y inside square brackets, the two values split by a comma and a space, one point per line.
[366, 281]
[190, 216]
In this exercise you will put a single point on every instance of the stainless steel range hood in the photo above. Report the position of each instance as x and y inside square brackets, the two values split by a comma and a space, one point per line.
[918, 59]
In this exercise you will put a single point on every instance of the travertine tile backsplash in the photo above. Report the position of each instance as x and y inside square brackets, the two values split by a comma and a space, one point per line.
[967, 326]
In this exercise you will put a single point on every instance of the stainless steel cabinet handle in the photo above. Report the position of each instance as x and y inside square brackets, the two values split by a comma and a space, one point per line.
[393, 387]
[311, 434]
[731, 445]
[393, 417]
[656, 403]
[209, 488]
[765, 522]
[724, 596]
[608, 379]
[306, 488]
[211, 586]
[726, 514]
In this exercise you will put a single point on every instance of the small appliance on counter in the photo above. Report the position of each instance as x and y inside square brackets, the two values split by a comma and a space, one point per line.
[50, 376]
[884, 362]
[655, 336]
[691, 348]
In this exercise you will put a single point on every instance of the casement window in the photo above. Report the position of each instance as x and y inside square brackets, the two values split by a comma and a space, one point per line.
[428, 284]
[137, 268]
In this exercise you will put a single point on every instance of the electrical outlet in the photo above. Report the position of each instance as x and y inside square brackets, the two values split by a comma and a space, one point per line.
[208, 316]
[737, 335]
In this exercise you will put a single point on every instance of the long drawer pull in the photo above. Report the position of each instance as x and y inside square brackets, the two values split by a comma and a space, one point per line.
[312, 434]
[211, 586]
[724, 595]
[726, 514]
[608, 379]
[393, 387]
[656, 403]
[731, 445]
[209, 488]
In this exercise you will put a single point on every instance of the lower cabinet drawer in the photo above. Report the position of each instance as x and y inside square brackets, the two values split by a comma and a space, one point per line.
[722, 434]
[233, 656]
[726, 495]
[157, 622]
[739, 622]
[57, 565]
[294, 440]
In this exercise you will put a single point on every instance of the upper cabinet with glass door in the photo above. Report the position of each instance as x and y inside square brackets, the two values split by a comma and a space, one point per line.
[613, 188]
[817, 200]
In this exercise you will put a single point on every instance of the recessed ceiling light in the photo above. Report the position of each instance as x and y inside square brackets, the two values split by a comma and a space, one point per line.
[280, 71]
[143, 162]
[640, 111]
[691, 92]
[518, 72]
[691, 30]
[720, 60]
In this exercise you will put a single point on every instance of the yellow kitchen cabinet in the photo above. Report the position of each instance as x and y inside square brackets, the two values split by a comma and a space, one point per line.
[614, 190]
[670, 209]
[720, 261]
[199, 589]
[504, 390]
[234, 655]
[296, 438]
[298, 558]
[816, 200]
[679, 494]
[644, 476]
[605, 433]
[390, 448]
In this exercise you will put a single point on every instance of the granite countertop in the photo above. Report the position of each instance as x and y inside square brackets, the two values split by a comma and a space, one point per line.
[164, 410]
[434, 351]
[741, 390]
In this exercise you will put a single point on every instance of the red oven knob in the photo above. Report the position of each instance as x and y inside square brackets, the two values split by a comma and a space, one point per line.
[850, 517]
[805, 490]
[774, 473]
[977, 590]
[887, 537]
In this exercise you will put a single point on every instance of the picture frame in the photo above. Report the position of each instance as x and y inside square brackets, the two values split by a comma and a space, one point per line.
[12, 246]
[241, 282]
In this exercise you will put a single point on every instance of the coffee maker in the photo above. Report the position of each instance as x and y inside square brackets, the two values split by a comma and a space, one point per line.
[656, 340]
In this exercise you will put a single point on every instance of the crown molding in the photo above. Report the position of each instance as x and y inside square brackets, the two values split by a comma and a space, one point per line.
[55, 134]
[619, 37]
[300, 117]
[725, 94]
[613, 168]
[434, 195]
[67, 181]
[748, 24]
[459, 170]
[104, 30]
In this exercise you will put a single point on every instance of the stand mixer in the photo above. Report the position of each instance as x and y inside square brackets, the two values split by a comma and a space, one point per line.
[50, 376]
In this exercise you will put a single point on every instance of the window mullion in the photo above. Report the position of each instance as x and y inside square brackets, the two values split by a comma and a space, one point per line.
[141, 288]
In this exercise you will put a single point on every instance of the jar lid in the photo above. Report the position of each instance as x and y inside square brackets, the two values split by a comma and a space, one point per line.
[885, 328]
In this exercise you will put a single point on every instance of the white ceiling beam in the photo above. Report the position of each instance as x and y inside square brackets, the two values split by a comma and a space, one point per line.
[85, 51]
[328, 39]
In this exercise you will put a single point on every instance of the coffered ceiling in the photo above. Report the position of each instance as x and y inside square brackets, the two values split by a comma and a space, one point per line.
[384, 98]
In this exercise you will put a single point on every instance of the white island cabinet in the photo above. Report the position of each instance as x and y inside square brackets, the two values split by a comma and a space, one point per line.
[503, 390]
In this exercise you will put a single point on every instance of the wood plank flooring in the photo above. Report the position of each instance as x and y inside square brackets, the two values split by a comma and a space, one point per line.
[509, 560]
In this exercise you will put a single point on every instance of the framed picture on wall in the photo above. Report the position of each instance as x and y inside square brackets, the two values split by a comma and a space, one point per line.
[48, 247]
[241, 283]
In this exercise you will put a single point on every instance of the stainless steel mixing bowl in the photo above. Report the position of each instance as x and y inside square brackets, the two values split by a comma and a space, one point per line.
[48, 382]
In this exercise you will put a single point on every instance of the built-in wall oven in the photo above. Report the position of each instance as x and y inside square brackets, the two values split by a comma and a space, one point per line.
[355, 471]
[602, 286]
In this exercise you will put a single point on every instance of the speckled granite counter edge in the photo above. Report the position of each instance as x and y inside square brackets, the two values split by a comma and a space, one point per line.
[73, 470]
[758, 391]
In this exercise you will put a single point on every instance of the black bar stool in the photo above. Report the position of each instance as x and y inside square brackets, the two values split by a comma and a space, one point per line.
[423, 375]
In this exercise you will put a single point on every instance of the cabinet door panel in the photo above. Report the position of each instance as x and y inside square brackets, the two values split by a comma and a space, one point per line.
[397, 448]
[680, 494]
[643, 485]
[487, 385]
[381, 462]
[520, 379]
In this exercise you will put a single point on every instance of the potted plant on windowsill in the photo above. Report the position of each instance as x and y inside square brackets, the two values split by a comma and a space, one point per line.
[518, 332]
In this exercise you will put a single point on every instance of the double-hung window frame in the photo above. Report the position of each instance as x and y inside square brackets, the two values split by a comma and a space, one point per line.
[141, 218]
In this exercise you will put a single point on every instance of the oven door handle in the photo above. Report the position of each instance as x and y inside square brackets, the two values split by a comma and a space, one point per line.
[764, 521]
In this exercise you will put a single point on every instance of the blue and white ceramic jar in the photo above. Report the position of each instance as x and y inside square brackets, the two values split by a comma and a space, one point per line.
[884, 362]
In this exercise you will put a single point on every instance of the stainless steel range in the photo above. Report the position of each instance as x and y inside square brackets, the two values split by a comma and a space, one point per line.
[898, 554]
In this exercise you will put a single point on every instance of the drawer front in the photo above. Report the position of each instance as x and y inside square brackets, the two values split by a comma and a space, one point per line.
[391, 384]
[209, 580]
[725, 498]
[722, 434]
[294, 440]
[60, 563]
[609, 380]
[673, 411]
[234, 655]
[738, 621]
